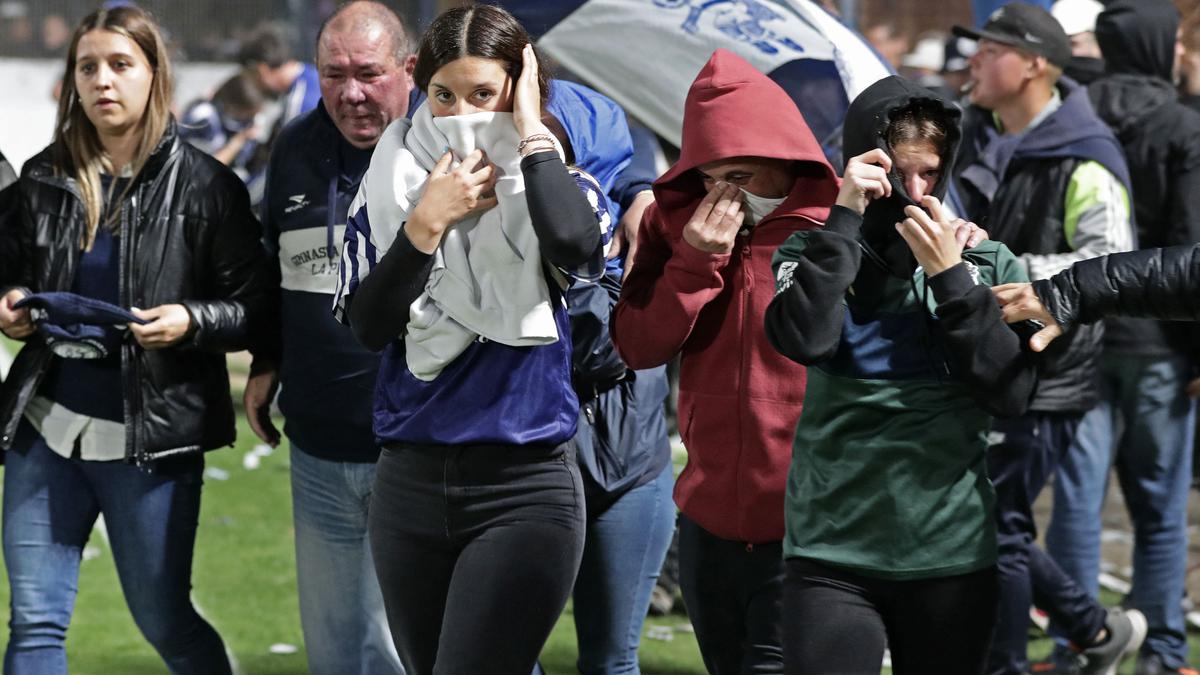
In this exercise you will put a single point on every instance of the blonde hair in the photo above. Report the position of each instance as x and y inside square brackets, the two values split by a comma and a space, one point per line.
[77, 150]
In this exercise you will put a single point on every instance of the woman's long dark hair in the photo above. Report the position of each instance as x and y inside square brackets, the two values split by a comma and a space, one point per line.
[483, 31]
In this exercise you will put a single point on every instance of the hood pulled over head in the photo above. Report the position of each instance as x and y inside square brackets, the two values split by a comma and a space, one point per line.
[733, 110]
[1137, 37]
[866, 128]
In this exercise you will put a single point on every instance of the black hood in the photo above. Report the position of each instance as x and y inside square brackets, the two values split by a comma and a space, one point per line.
[1124, 101]
[865, 129]
[1137, 37]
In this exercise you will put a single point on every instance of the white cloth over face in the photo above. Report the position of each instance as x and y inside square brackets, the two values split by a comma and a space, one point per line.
[488, 279]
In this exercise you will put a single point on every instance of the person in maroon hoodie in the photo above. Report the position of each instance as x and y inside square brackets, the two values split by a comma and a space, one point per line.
[750, 173]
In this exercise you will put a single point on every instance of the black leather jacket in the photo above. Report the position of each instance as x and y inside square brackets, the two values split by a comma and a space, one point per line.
[187, 235]
[1158, 283]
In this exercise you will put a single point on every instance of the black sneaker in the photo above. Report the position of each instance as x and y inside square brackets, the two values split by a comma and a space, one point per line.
[1126, 631]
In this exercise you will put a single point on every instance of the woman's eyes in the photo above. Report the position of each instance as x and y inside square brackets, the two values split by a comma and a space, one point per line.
[89, 68]
[481, 96]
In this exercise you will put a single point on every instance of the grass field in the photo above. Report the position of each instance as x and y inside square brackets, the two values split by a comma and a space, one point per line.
[244, 582]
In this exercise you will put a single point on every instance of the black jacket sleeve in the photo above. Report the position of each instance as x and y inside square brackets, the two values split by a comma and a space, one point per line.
[986, 354]
[16, 240]
[379, 309]
[804, 321]
[1157, 283]
[237, 311]
[562, 218]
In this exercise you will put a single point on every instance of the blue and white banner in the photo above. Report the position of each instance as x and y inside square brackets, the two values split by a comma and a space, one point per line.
[645, 53]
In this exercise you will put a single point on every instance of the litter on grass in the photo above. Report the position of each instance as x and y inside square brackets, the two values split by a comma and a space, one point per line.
[253, 459]
[283, 648]
[661, 633]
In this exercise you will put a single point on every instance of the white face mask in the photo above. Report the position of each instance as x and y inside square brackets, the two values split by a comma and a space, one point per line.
[757, 207]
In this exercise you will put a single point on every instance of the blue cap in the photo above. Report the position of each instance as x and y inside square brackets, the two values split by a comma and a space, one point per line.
[75, 326]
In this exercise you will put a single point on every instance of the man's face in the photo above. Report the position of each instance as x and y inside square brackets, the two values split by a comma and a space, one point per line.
[363, 86]
[998, 72]
[762, 176]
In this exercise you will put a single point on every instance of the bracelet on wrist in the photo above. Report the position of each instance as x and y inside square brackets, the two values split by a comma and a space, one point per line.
[538, 147]
[547, 138]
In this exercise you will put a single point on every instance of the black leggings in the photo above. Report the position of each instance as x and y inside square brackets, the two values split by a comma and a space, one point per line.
[476, 549]
[838, 623]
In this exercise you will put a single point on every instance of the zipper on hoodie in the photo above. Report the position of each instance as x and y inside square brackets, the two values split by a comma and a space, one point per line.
[745, 235]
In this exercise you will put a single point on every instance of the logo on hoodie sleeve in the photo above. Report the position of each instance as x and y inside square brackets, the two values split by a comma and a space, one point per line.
[783, 278]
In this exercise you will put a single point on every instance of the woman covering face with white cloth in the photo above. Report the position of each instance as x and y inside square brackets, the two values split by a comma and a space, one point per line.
[457, 274]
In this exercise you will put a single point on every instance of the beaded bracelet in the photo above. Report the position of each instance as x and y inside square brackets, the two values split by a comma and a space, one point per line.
[535, 137]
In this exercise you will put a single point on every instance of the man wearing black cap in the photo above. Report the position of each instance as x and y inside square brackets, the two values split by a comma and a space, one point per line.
[1045, 176]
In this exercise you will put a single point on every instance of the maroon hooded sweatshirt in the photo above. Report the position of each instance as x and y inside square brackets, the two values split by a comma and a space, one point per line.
[738, 398]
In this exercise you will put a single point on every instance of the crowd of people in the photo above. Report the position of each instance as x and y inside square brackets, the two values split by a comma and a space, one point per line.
[463, 279]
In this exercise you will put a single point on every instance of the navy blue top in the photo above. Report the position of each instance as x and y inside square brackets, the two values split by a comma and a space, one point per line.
[326, 378]
[92, 387]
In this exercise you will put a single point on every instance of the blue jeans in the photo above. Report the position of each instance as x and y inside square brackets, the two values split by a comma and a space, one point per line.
[1019, 466]
[50, 505]
[1151, 450]
[341, 608]
[623, 552]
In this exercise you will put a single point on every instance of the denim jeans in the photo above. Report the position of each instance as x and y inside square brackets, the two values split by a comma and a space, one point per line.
[50, 506]
[622, 555]
[1019, 466]
[477, 548]
[1143, 426]
[341, 608]
[734, 594]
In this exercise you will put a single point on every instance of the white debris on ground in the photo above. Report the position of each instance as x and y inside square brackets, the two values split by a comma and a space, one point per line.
[253, 459]
[283, 648]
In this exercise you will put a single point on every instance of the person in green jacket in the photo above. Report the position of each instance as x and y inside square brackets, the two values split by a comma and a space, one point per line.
[890, 531]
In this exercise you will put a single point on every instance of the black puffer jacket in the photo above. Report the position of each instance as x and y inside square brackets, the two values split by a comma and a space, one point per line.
[187, 235]
[1161, 139]
[1160, 283]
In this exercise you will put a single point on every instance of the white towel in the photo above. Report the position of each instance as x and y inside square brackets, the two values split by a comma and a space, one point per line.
[487, 278]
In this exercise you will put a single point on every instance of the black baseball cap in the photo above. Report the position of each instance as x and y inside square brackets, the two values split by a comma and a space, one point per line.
[1026, 27]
